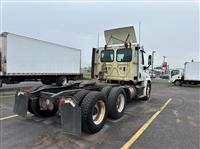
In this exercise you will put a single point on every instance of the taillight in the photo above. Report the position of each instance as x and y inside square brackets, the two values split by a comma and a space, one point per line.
[69, 100]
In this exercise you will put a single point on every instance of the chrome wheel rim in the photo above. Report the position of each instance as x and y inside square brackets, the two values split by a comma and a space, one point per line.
[99, 111]
[120, 103]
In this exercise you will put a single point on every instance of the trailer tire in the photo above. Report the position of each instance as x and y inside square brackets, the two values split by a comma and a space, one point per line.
[117, 102]
[78, 97]
[94, 112]
[61, 81]
[106, 90]
[35, 107]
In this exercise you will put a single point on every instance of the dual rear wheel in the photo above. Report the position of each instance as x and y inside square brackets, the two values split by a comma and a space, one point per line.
[95, 107]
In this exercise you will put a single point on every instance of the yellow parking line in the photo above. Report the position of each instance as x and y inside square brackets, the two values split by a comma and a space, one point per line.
[144, 127]
[8, 117]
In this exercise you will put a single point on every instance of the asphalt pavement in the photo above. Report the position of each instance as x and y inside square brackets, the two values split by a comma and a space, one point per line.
[176, 126]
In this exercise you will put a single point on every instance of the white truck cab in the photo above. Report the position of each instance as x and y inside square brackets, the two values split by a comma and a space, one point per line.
[121, 60]
[176, 76]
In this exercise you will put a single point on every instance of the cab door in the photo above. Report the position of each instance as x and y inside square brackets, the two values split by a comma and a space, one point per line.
[141, 71]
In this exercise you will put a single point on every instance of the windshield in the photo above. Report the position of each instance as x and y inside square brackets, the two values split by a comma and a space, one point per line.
[174, 72]
[107, 56]
[124, 55]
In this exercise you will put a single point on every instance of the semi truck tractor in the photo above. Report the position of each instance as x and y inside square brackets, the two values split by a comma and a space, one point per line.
[24, 59]
[119, 75]
[189, 75]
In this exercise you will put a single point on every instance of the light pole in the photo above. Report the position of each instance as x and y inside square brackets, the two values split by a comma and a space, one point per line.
[164, 58]
[152, 62]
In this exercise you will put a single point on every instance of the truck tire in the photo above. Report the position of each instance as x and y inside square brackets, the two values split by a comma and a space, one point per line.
[35, 108]
[61, 81]
[177, 83]
[116, 102]
[148, 92]
[106, 90]
[78, 97]
[131, 93]
[94, 112]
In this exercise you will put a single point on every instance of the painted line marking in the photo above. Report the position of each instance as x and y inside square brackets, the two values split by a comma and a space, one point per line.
[11, 116]
[145, 126]
[8, 117]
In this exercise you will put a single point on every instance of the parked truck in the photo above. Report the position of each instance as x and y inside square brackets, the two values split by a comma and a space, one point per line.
[118, 76]
[23, 59]
[189, 75]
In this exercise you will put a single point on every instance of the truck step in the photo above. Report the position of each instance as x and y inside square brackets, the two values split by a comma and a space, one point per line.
[142, 96]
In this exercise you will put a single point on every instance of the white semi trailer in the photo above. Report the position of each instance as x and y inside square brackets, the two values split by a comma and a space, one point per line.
[189, 75]
[119, 75]
[23, 58]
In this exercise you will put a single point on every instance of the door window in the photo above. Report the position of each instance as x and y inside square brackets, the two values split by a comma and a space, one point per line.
[174, 72]
[124, 55]
[107, 56]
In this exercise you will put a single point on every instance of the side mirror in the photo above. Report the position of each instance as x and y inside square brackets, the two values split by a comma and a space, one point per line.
[149, 60]
[145, 67]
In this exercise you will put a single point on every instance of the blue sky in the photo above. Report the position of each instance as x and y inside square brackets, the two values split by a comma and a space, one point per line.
[171, 29]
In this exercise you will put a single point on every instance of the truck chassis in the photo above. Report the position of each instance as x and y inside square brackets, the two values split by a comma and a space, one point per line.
[82, 105]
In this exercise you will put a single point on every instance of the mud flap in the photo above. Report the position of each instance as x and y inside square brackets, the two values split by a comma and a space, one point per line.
[71, 118]
[21, 104]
